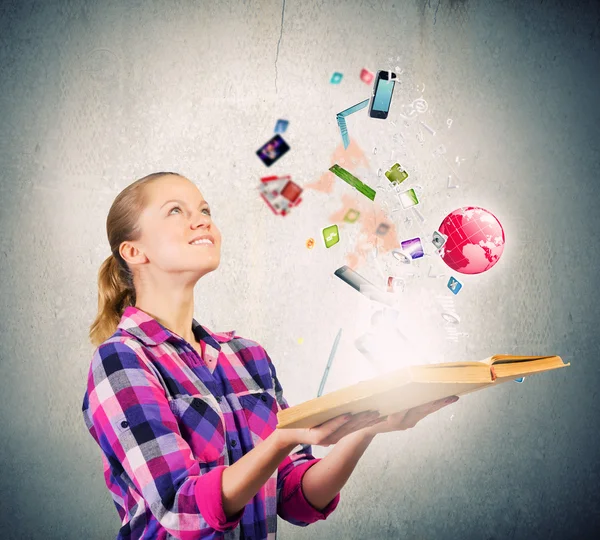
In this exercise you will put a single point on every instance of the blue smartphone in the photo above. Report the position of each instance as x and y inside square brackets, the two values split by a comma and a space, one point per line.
[382, 94]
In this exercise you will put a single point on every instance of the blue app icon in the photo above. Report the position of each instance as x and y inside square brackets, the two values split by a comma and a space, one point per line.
[281, 126]
[336, 78]
[454, 285]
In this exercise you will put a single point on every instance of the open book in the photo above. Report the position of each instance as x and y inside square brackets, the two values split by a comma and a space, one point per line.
[412, 386]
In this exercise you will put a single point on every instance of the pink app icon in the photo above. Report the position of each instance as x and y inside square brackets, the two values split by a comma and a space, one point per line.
[366, 76]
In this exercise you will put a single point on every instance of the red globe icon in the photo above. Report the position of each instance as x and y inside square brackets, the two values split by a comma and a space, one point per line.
[475, 240]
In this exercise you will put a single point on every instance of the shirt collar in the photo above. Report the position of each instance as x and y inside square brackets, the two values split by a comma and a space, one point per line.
[150, 332]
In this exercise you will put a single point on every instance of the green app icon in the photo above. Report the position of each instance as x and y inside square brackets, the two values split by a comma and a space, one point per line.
[408, 198]
[331, 235]
[396, 174]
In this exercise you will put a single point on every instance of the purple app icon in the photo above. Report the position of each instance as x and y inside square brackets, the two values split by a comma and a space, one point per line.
[413, 247]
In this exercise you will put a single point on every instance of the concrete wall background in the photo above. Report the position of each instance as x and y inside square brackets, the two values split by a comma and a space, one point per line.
[94, 95]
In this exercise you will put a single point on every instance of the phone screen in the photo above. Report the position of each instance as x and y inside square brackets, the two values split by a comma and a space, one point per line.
[383, 95]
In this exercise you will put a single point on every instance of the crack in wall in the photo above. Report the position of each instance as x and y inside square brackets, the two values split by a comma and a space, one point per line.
[278, 42]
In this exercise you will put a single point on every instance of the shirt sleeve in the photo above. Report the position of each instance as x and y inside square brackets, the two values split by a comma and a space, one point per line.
[139, 435]
[292, 505]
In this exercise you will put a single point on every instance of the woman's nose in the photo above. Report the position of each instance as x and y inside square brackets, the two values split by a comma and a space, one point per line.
[201, 220]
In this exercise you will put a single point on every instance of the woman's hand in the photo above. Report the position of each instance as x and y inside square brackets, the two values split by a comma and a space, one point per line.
[329, 432]
[406, 419]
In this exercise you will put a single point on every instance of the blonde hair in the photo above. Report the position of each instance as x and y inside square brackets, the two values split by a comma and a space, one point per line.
[115, 279]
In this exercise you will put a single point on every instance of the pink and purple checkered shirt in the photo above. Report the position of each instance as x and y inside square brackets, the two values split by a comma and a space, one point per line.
[168, 424]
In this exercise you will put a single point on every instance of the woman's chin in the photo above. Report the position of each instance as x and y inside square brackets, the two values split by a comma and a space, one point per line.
[209, 267]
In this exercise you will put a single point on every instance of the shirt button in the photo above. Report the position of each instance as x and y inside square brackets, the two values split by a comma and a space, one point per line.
[264, 398]
[124, 424]
[233, 443]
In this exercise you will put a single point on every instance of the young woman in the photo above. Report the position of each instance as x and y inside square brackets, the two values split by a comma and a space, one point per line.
[185, 418]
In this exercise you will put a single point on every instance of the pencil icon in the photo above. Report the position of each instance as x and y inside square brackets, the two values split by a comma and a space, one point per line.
[329, 362]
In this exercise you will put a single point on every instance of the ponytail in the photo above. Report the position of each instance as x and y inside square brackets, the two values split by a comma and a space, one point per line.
[115, 293]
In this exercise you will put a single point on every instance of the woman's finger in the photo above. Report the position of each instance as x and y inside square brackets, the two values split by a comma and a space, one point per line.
[357, 422]
[334, 423]
[412, 417]
[436, 405]
[418, 413]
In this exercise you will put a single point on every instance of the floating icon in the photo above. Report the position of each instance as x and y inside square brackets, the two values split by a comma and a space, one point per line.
[438, 239]
[272, 150]
[418, 214]
[382, 229]
[280, 193]
[396, 174]
[341, 120]
[429, 274]
[440, 150]
[451, 317]
[336, 78]
[395, 284]
[408, 198]
[351, 215]
[347, 177]
[454, 285]
[402, 256]
[418, 106]
[366, 76]
[450, 181]
[520, 379]
[413, 247]
[281, 126]
[329, 362]
[331, 235]
[310, 243]
[428, 128]
[365, 287]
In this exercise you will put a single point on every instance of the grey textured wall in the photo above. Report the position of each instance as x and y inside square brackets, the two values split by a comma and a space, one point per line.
[96, 94]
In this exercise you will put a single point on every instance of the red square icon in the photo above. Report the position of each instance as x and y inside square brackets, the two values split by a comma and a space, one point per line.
[366, 76]
[281, 193]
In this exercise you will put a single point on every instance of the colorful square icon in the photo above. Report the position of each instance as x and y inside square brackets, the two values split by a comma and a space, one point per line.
[351, 215]
[281, 126]
[454, 285]
[336, 78]
[280, 193]
[272, 150]
[408, 198]
[413, 247]
[382, 229]
[396, 173]
[366, 76]
[395, 284]
[331, 235]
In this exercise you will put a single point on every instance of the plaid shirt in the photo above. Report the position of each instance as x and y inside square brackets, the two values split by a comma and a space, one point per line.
[168, 422]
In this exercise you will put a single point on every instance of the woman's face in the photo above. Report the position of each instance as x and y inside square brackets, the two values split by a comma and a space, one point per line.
[177, 213]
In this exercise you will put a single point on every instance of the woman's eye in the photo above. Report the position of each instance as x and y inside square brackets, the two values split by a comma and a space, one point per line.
[207, 210]
[175, 207]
